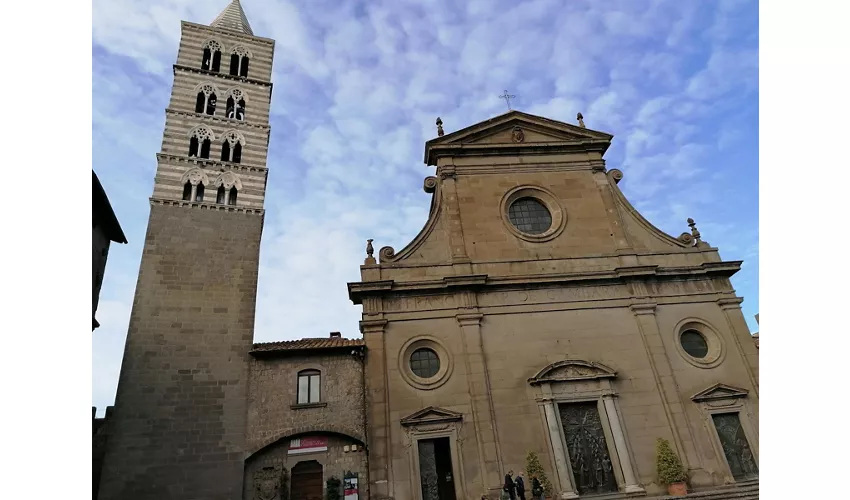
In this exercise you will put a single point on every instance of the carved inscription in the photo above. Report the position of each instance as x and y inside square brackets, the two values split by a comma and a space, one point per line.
[572, 294]
[419, 303]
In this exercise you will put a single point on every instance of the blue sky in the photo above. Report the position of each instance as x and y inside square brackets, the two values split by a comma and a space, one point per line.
[357, 87]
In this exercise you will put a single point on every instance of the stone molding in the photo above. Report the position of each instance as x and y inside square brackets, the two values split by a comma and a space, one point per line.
[214, 118]
[431, 415]
[207, 206]
[225, 76]
[210, 163]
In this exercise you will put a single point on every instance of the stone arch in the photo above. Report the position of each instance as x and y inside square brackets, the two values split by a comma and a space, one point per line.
[213, 44]
[206, 97]
[233, 136]
[236, 102]
[195, 176]
[207, 88]
[228, 180]
[212, 50]
[237, 92]
[572, 369]
[241, 50]
[301, 431]
[201, 132]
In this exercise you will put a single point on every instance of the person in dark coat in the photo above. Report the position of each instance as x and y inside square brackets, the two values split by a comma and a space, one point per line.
[536, 488]
[520, 486]
[510, 487]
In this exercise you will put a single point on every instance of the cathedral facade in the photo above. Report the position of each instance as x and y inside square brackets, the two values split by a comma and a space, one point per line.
[536, 311]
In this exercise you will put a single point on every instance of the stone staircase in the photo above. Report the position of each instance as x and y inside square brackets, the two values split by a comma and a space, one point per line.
[748, 491]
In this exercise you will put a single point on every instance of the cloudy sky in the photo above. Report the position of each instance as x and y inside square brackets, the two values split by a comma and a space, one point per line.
[357, 87]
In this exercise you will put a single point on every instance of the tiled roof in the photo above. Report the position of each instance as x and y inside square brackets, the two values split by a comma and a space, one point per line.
[307, 344]
[233, 18]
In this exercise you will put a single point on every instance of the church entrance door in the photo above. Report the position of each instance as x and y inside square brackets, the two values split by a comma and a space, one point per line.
[588, 451]
[435, 469]
[307, 481]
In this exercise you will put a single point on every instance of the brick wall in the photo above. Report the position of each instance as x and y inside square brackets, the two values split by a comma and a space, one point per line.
[178, 427]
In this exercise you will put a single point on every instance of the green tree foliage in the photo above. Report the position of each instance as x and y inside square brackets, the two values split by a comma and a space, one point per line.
[532, 467]
[333, 489]
[668, 465]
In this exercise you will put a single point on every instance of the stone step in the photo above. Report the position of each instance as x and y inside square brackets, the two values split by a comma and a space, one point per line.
[745, 492]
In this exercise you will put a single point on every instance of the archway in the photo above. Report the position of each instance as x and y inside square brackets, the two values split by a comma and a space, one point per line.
[306, 481]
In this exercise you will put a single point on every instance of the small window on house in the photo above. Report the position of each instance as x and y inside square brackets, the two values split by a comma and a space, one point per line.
[199, 192]
[219, 196]
[187, 191]
[308, 386]
[231, 199]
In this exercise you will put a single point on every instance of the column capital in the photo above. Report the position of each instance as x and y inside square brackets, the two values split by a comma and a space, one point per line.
[727, 303]
[640, 309]
[469, 319]
[373, 326]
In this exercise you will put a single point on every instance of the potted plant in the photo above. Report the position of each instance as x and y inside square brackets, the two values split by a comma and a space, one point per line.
[670, 469]
[332, 490]
[534, 469]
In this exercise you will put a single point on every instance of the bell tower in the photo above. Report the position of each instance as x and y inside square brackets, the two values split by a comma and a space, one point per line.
[179, 422]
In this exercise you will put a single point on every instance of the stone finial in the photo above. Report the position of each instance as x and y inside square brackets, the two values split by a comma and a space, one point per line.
[580, 120]
[694, 230]
[370, 250]
[440, 132]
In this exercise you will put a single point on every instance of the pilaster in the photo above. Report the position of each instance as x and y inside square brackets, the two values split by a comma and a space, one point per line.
[667, 389]
[379, 433]
[631, 483]
[448, 189]
[566, 489]
[739, 330]
[483, 411]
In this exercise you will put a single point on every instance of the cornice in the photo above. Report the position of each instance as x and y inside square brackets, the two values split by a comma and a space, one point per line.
[230, 33]
[225, 76]
[207, 206]
[358, 290]
[518, 168]
[228, 121]
[212, 164]
[438, 151]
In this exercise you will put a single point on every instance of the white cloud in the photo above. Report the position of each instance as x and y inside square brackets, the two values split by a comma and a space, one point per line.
[357, 90]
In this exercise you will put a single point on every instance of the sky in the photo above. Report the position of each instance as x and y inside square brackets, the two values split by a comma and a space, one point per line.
[357, 88]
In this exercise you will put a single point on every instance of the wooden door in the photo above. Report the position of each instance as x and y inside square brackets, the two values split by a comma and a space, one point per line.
[307, 481]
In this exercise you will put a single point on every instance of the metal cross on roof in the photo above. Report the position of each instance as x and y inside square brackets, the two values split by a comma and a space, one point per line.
[507, 97]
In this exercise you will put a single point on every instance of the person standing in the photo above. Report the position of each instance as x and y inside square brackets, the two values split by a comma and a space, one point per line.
[536, 488]
[510, 487]
[520, 486]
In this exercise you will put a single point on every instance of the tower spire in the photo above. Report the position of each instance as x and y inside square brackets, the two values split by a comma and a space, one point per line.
[233, 18]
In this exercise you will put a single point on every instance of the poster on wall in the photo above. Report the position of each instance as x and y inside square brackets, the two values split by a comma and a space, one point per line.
[308, 444]
[351, 491]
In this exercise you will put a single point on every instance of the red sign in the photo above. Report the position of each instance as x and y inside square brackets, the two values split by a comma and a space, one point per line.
[308, 444]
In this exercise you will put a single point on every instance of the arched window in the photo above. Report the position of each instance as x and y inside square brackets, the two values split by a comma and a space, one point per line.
[309, 383]
[220, 195]
[231, 200]
[212, 56]
[239, 58]
[193, 185]
[200, 141]
[231, 148]
[235, 105]
[206, 100]
[228, 185]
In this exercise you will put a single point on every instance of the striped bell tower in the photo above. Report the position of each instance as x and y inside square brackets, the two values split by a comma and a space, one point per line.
[178, 427]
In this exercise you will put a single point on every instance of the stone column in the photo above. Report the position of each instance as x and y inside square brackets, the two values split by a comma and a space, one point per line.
[739, 330]
[560, 454]
[632, 485]
[483, 414]
[377, 409]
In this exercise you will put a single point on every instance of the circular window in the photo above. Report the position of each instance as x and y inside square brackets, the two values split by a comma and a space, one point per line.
[424, 363]
[694, 343]
[698, 343]
[530, 216]
[532, 213]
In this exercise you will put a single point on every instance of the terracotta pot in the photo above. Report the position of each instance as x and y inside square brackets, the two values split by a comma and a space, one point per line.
[677, 489]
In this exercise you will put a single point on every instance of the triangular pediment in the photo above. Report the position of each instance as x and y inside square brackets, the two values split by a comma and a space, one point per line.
[720, 391]
[570, 370]
[431, 415]
[518, 130]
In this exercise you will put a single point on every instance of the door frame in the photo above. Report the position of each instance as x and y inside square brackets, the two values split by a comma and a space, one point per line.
[416, 435]
[301, 460]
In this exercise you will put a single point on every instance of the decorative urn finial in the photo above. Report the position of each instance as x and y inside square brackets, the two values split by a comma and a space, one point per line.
[580, 120]
[694, 230]
[439, 127]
